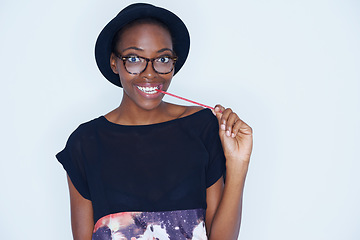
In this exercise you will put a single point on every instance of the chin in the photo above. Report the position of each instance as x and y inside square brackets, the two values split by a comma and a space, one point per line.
[149, 105]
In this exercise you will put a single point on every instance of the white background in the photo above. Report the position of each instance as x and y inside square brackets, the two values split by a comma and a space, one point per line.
[289, 68]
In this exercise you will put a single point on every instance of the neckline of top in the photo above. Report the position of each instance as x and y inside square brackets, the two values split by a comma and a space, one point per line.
[105, 120]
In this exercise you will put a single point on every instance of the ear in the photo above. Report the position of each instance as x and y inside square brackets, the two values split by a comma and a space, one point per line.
[113, 63]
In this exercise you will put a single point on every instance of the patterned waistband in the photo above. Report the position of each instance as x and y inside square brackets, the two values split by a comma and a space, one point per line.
[167, 225]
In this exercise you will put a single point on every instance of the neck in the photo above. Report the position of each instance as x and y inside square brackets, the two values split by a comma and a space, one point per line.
[129, 113]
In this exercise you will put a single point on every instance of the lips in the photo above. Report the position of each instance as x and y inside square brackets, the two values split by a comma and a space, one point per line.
[148, 90]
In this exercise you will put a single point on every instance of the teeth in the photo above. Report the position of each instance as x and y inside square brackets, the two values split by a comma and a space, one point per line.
[148, 90]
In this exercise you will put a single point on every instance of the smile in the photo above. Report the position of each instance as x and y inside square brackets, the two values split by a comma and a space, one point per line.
[148, 90]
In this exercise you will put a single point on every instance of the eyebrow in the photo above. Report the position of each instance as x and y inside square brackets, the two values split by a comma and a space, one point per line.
[139, 49]
[165, 49]
[135, 48]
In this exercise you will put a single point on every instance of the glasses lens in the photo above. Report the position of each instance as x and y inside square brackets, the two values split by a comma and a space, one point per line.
[163, 64]
[135, 64]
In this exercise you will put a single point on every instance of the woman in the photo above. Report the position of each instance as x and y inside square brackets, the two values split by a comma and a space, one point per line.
[151, 169]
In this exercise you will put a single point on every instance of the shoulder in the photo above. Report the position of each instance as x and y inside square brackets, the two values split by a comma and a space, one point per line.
[189, 110]
[180, 111]
[84, 130]
[194, 114]
[76, 141]
[196, 117]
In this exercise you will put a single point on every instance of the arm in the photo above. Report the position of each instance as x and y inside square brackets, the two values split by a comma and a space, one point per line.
[223, 221]
[82, 222]
[213, 198]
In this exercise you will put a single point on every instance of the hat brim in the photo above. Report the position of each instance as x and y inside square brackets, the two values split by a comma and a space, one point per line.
[178, 31]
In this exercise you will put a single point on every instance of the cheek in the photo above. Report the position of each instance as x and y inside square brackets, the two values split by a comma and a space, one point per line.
[125, 77]
[169, 77]
[120, 67]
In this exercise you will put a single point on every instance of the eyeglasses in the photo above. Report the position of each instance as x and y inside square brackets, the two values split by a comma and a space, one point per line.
[135, 64]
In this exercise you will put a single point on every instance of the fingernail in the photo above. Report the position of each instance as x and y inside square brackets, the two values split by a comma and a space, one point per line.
[228, 133]
[222, 126]
[233, 135]
[217, 108]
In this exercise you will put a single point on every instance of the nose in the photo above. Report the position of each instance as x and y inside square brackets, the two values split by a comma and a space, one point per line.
[149, 70]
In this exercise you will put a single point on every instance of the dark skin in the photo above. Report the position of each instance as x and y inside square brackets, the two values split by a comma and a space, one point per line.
[224, 202]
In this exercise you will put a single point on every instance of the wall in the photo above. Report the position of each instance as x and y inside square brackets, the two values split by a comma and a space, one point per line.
[289, 68]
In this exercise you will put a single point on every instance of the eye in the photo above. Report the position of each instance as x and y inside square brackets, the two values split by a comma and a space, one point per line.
[164, 59]
[133, 59]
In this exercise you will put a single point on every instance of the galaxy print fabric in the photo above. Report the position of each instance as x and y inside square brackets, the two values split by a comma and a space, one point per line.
[168, 225]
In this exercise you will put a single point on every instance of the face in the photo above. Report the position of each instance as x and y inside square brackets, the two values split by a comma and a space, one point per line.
[148, 41]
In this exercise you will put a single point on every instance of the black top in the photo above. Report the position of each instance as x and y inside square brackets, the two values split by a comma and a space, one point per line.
[148, 168]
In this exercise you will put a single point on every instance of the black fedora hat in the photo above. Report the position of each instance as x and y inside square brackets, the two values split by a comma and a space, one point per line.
[178, 31]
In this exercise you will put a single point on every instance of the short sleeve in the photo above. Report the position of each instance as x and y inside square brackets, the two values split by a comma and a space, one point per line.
[216, 164]
[72, 160]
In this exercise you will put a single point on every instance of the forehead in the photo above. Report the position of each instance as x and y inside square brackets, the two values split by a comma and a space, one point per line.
[145, 36]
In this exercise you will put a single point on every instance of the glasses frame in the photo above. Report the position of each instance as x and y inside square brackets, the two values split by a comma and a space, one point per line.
[125, 58]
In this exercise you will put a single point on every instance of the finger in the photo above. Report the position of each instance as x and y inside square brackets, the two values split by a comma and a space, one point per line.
[224, 119]
[241, 127]
[230, 123]
[236, 127]
[225, 115]
[245, 129]
[218, 108]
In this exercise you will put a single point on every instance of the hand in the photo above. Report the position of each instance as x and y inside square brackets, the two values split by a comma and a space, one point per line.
[235, 135]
